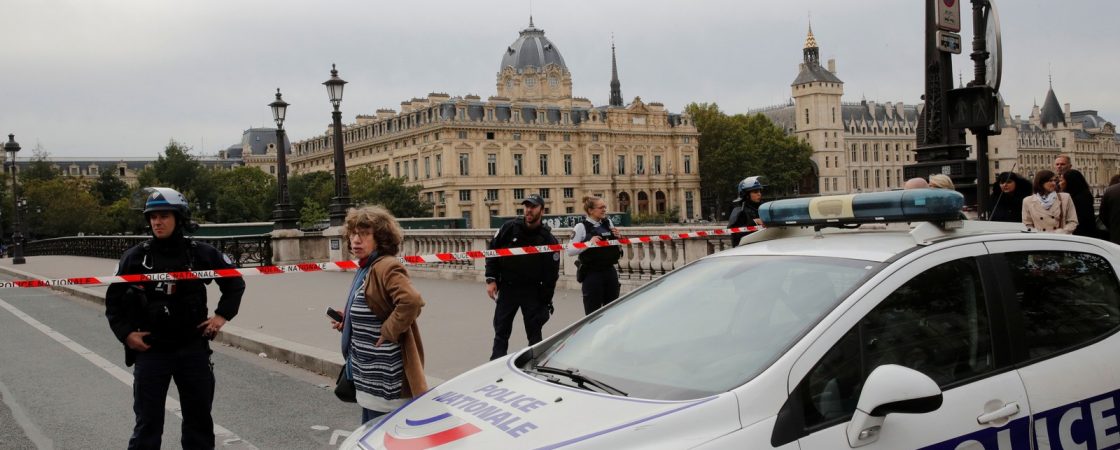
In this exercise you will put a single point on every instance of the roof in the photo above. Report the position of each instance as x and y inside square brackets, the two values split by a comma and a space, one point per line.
[1051, 110]
[811, 72]
[257, 141]
[531, 49]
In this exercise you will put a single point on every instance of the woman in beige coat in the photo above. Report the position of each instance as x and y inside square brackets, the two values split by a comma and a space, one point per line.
[1048, 210]
[380, 339]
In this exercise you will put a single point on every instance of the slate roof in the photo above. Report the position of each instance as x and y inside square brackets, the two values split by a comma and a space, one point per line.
[531, 49]
[1052, 111]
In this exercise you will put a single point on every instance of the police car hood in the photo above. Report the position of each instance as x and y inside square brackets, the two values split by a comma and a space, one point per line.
[499, 406]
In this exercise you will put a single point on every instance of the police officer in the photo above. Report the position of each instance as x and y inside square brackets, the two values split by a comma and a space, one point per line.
[524, 281]
[596, 270]
[164, 324]
[746, 212]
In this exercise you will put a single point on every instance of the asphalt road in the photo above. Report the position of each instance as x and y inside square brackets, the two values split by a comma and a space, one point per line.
[63, 384]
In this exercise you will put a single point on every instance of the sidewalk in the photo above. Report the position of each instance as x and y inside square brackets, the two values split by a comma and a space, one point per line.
[283, 316]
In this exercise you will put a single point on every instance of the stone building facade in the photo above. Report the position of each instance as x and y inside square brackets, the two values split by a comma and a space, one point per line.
[476, 158]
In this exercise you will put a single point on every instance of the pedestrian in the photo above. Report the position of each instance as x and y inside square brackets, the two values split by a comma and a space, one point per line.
[1006, 200]
[941, 181]
[525, 282]
[1074, 184]
[596, 271]
[746, 212]
[915, 183]
[1062, 163]
[381, 343]
[1110, 211]
[164, 324]
[1048, 210]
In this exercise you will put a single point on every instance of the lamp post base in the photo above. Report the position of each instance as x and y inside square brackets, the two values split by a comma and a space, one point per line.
[284, 218]
[337, 210]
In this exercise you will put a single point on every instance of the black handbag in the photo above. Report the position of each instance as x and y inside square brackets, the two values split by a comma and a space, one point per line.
[344, 388]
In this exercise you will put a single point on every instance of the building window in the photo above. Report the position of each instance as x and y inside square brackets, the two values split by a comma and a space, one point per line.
[518, 194]
[489, 135]
[428, 197]
[688, 139]
[491, 195]
[594, 138]
[594, 164]
[622, 164]
[271, 170]
[569, 210]
[542, 137]
[867, 178]
[462, 134]
[517, 164]
[567, 137]
[657, 164]
[398, 166]
[464, 164]
[567, 164]
[427, 167]
[517, 136]
[491, 164]
[545, 192]
[93, 171]
[120, 171]
[465, 195]
[853, 152]
[878, 179]
[855, 180]
[806, 116]
[687, 163]
[833, 115]
[544, 163]
[439, 165]
[569, 192]
[531, 82]
[864, 152]
[406, 169]
[440, 197]
[640, 165]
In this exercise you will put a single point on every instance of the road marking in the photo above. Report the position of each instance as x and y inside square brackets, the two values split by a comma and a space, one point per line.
[221, 434]
[24, 421]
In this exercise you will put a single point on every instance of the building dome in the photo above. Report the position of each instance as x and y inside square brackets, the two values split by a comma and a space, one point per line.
[531, 49]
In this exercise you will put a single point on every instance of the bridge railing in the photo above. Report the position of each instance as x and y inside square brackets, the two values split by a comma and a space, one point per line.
[245, 251]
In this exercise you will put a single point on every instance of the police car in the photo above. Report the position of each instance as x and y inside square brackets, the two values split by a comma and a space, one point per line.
[820, 332]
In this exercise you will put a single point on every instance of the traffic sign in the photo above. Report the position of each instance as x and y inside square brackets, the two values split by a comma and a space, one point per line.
[948, 15]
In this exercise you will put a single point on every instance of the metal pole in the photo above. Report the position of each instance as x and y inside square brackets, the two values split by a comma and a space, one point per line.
[979, 57]
[341, 201]
[17, 237]
[283, 216]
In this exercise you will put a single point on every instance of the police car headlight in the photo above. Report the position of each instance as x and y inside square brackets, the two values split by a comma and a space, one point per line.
[352, 441]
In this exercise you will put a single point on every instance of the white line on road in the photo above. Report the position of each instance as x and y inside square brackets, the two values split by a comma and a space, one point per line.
[34, 434]
[221, 435]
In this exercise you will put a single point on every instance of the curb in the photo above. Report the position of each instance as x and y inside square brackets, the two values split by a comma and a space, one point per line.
[299, 355]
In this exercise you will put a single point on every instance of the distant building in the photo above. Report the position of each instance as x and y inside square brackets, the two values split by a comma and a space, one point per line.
[477, 158]
[125, 168]
[256, 149]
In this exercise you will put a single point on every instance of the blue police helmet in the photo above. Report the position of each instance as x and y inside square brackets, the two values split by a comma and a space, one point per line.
[166, 199]
[750, 184]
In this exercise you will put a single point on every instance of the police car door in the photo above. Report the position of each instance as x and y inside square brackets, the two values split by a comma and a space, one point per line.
[931, 315]
[1065, 304]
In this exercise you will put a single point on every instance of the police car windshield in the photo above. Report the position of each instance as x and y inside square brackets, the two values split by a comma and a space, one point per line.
[708, 327]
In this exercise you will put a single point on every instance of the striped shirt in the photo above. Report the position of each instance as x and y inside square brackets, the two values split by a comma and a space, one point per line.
[378, 372]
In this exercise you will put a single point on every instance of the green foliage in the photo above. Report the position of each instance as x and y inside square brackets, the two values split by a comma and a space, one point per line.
[369, 186]
[110, 188]
[244, 194]
[123, 219]
[735, 147]
[671, 216]
[311, 215]
[310, 188]
[63, 207]
[40, 168]
[176, 167]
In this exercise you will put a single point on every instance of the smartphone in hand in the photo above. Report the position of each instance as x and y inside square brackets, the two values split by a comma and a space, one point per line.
[337, 316]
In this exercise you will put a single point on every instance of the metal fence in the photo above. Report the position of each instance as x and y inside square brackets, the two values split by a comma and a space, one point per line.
[245, 251]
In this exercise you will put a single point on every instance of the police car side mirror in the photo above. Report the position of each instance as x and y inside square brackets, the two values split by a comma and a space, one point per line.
[890, 389]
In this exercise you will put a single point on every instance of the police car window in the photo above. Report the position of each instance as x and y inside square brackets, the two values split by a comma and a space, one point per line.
[708, 327]
[936, 323]
[1066, 299]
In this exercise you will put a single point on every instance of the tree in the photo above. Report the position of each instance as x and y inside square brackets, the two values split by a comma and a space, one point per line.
[244, 194]
[734, 147]
[371, 186]
[123, 218]
[311, 215]
[176, 168]
[63, 207]
[310, 188]
[40, 167]
[110, 188]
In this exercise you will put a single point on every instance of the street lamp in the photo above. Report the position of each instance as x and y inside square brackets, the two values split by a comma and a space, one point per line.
[341, 201]
[283, 217]
[12, 147]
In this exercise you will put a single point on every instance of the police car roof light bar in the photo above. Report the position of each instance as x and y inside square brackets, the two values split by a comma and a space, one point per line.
[912, 205]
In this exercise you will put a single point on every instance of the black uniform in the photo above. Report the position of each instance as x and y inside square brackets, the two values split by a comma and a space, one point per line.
[525, 281]
[171, 311]
[597, 271]
[743, 216]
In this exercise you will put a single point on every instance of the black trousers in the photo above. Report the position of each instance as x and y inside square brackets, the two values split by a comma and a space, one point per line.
[193, 373]
[600, 287]
[533, 300]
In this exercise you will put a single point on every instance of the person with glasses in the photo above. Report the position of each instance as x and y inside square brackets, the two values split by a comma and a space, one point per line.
[1048, 210]
[596, 266]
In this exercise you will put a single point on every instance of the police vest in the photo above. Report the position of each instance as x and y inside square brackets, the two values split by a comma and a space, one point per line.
[599, 257]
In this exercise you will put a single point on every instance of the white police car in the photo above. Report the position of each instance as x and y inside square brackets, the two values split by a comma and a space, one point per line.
[944, 334]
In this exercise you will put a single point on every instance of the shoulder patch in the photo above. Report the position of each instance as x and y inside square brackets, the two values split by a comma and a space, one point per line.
[555, 256]
[225, 258]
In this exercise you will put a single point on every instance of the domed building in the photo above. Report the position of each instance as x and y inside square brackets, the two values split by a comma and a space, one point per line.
[478, 159]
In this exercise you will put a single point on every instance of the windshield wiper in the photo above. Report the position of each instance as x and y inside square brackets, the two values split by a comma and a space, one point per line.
[580, 379]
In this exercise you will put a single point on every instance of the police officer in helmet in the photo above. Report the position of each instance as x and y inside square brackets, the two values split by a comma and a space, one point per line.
[164, 325]
[745, 213]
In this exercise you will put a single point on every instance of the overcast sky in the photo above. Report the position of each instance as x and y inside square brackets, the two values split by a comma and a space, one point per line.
[113, 78]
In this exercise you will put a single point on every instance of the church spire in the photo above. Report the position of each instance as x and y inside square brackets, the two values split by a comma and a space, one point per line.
[811, 52]
[616, 86]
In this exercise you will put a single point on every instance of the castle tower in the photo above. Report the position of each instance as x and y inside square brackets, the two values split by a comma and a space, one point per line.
[818, 117]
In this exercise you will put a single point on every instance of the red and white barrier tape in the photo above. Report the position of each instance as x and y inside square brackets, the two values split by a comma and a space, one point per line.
[352, 265]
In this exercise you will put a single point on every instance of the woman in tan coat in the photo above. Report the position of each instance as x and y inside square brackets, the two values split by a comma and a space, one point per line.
[1049, 210]
[380, 338]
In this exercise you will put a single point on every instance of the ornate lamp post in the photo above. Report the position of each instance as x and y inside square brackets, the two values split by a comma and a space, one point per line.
[341, 201]
[283, 217]
[12, 147]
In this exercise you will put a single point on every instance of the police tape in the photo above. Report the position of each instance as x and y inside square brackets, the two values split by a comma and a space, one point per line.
[353, 265]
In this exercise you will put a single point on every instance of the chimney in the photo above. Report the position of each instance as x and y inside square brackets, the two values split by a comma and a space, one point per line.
[832, 65]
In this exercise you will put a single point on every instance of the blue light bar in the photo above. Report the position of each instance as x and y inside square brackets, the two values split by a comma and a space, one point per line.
[912, 205]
